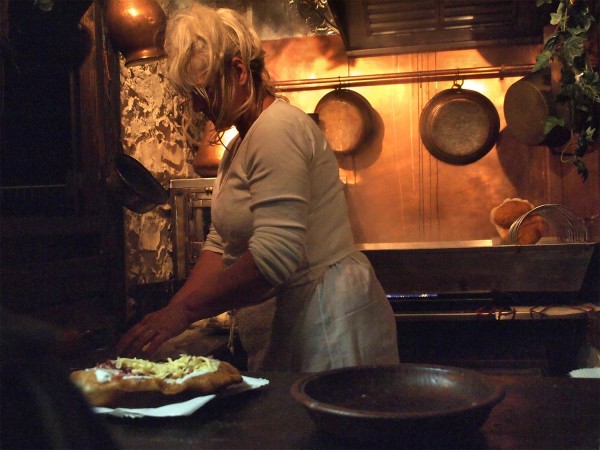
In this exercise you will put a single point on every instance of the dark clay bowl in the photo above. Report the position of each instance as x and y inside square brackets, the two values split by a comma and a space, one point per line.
[401, 403]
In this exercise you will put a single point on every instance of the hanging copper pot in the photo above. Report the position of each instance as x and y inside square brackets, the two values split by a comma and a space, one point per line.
[346, 119]
[136, 29]
[528, 102]
[209, 154]
[459, 126]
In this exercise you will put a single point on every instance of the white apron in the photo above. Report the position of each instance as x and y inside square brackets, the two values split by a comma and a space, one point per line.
[340, 318]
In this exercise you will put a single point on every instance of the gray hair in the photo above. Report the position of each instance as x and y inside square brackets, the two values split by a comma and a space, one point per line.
[200, 43]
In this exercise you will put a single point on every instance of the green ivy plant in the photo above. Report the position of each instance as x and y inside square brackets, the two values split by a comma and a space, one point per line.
[579, 83]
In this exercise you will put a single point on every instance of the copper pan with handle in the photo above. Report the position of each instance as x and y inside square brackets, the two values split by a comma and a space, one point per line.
[528, 102]
[133, 186]
[459, 126]
[346, 118]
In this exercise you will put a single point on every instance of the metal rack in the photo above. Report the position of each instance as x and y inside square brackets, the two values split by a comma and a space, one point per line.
[562, 223]
[405, 77]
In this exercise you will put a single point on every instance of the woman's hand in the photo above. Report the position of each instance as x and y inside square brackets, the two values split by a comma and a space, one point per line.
[209, 290]
[153, 330]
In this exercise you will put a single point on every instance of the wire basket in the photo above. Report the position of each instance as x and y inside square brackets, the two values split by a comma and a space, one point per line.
[560, 221]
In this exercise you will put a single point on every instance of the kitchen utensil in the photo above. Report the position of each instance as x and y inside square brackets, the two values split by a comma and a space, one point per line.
[400, 403]
[459, 126]
[560, 222]
[345, 117]
[209, 154]
[527, 103]
[136, 29]
[134, 186]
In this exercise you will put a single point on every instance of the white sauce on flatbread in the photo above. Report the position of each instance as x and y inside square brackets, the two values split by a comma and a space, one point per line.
[104, 375]
[171, 371]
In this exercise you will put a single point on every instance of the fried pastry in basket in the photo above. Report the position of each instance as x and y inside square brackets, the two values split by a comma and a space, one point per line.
[504, 215]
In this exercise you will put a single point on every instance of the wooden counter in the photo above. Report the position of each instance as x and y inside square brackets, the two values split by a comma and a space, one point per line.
[537, 413]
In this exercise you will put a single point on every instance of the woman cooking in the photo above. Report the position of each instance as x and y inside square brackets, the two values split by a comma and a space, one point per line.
[280, 221]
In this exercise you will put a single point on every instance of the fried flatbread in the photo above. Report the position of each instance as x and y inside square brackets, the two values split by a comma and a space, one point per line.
[139, 383]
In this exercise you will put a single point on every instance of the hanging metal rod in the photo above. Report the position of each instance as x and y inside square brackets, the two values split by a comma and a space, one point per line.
[405, 77]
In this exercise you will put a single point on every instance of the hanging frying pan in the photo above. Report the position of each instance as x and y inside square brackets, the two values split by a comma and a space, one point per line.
[527, 103]
[459, 126]
[134, 187]
[345, 117]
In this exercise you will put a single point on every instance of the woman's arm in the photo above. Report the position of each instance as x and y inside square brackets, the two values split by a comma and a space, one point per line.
[208, 291]
[211, 290]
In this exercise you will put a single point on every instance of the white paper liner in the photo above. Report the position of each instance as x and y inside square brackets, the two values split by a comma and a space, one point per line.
[183, 408]
[592, 372]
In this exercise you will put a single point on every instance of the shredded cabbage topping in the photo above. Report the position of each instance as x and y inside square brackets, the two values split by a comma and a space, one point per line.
[172, 368]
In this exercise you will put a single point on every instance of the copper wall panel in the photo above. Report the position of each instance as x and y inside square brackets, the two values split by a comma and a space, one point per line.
[397, 191]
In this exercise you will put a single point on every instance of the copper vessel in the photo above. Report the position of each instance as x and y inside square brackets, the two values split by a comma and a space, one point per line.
[459, 126]
[528, 102]
[136, 29]
[345, 117]
[209, 153]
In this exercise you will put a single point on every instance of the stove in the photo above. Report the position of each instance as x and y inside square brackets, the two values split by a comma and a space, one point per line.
[477, 305]
[190, 200]
[476, 279]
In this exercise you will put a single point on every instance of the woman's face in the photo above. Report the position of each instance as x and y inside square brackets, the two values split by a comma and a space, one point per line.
[208, 106]
[215, 100]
